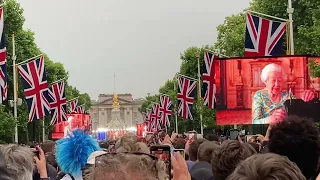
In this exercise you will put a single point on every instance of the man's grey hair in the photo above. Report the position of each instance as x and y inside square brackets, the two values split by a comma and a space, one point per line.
[271, 68]
[19, 161]
[126, 166]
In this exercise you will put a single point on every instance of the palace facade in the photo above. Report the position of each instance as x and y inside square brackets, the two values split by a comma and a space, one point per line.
[101, 112]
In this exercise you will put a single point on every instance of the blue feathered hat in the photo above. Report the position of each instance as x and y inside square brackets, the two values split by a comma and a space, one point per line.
[73, 151]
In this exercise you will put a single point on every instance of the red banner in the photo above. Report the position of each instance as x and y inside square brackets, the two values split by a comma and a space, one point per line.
[140, 129]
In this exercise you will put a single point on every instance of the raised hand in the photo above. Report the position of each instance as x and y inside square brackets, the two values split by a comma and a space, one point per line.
[277, 116]
[307, 95]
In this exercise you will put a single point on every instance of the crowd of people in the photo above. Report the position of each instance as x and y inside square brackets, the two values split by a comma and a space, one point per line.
[290, 150]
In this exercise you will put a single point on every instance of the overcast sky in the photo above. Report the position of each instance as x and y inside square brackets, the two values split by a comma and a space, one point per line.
[139, 40]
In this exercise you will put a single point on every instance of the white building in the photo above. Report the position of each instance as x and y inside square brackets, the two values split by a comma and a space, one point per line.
[129, 111]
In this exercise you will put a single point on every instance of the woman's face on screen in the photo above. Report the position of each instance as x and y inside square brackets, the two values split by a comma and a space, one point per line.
[274, 83]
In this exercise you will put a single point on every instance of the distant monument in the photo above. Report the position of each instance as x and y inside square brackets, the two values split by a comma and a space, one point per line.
[116, 122]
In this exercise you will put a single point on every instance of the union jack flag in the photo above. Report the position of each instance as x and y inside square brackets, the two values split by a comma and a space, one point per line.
[165, 110]
[58, 102]
[35, 85]
[80, 109]
[208, 77]
[155, 116]
[264, 37]
[3, 60]
[186, 93]
[148, 120]
[73, 105]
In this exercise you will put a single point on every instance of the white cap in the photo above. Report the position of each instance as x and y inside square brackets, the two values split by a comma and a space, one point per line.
[67, 177]
[92, 157]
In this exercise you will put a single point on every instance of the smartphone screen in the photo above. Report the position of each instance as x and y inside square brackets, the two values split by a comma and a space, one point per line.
[181, 151]
[163, 152]
[251, 138]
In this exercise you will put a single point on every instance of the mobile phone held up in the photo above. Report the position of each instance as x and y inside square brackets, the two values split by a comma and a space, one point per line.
[181, 151]
[163, 152]
[35, 152]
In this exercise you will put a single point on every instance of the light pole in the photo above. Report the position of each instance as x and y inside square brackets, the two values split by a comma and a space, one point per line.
[199, 90]
[290, 12]
[15, 101]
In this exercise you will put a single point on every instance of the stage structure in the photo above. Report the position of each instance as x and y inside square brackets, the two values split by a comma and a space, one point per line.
[117, 126]
[75, 121]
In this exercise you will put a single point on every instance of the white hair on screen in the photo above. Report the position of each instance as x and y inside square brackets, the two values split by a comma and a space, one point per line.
[270, 68]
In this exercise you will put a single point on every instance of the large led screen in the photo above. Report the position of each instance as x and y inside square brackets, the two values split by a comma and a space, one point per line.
[244, 86]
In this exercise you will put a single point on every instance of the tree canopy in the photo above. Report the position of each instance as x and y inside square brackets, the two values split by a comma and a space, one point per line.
[27, 48]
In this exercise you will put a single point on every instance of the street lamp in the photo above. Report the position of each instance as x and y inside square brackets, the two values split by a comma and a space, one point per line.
[14, 105]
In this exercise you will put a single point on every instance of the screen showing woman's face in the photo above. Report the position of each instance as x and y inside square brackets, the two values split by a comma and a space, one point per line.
[274, 83]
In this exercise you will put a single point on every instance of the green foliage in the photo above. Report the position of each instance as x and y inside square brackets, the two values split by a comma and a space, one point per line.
[306, 16]
[231, 34]
[7, 123]
[314, 68]
[25, 49]
[189, 67]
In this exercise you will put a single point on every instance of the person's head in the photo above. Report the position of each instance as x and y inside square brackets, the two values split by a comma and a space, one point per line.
[179, 144]
[298, 139]
[212, 137]
[127, 138]
[19, 161]
[133, 148]
[48, 146]
[206, 149]
[193, 149]
[273, 77]
[128, 167]
[227, 158]
[51, 159]
[266, 167]
[73, 151]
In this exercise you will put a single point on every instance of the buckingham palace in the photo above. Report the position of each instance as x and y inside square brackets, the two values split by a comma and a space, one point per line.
[103, 112]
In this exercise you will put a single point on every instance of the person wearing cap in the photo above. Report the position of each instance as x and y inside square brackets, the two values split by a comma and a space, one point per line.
[201, 171]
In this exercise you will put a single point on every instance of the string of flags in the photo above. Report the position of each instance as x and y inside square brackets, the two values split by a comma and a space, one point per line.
[159, 115]
[41, 99]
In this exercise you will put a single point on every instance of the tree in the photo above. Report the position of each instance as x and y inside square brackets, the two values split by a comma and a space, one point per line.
[25, 49]
[231, 33]
[7, 123]
[189, 67]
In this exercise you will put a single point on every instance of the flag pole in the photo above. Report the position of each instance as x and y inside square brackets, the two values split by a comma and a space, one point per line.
[290, 12]
[15, 97]
[176, 109]
[199, 91]
[59, 80]
[25, 61]
[187, 77]
[266, 15]
[43, 131]
[72, 99]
